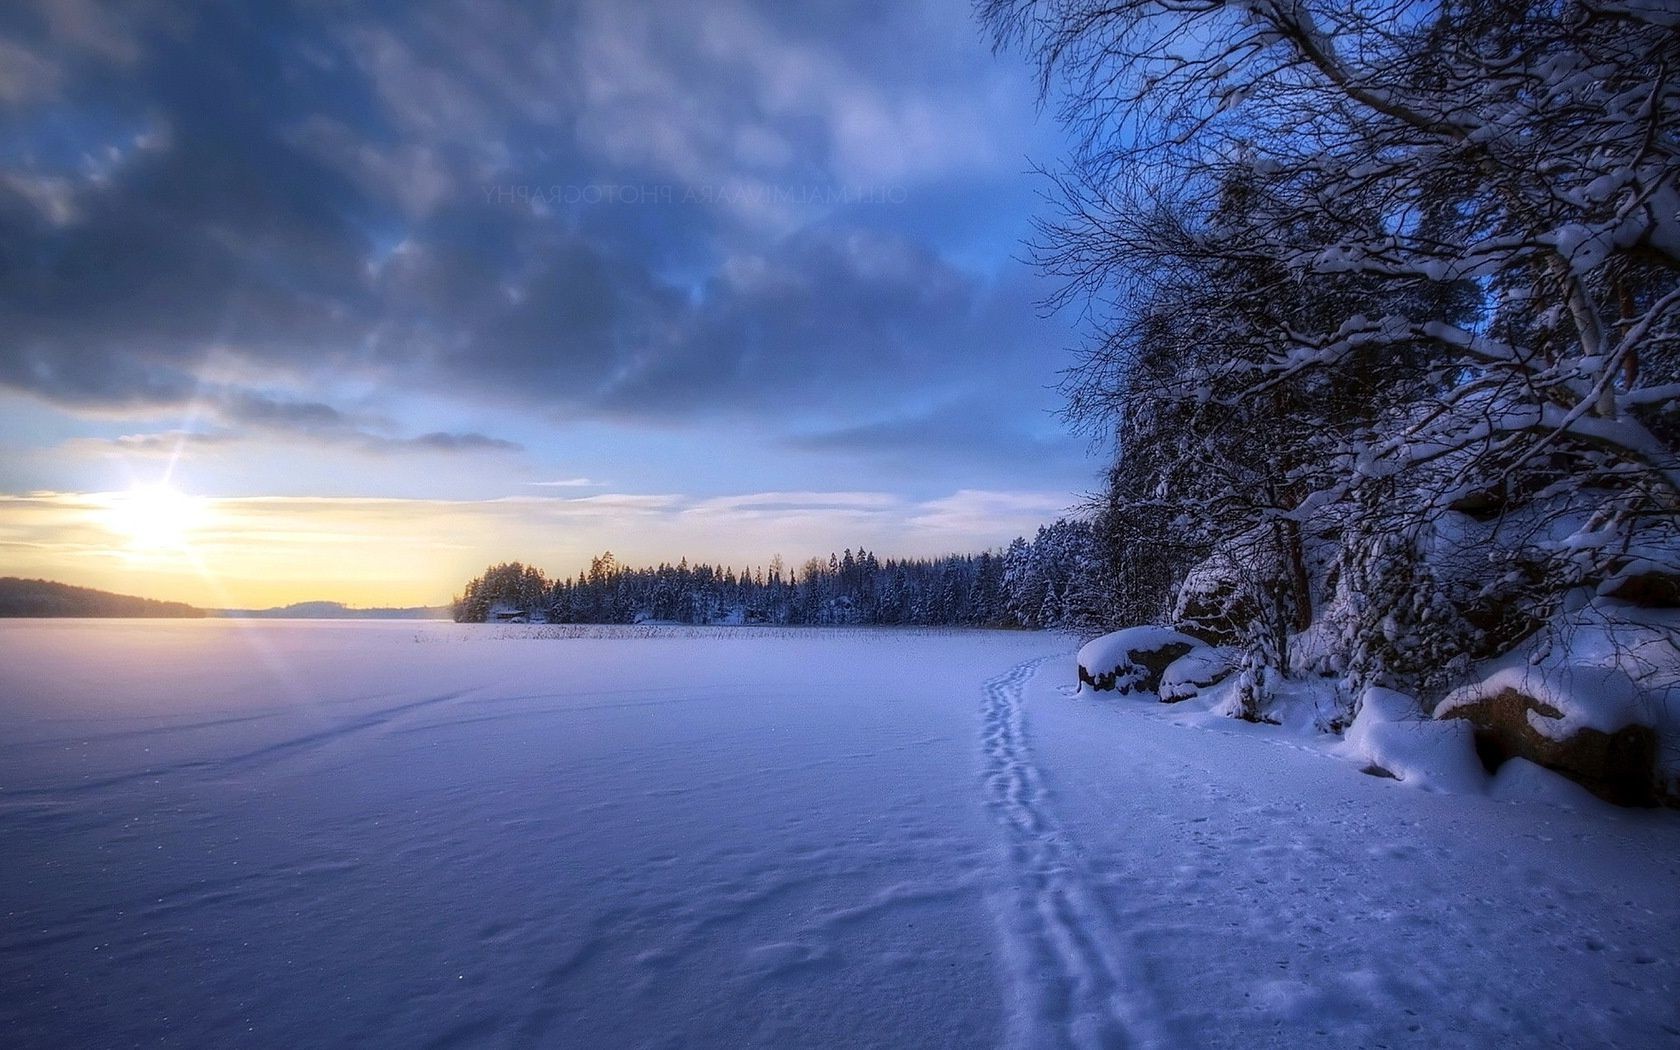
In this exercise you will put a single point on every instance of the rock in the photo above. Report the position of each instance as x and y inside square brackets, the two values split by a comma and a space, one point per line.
[1214, 601]
[1502, 621]
[1653, 588]
[1133, 659]
[1506, 614]
[1480, 504]
[1617, 766]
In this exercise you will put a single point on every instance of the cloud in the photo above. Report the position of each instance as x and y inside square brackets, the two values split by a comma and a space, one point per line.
[414, 175]
[170, 443]
[441, 441]
[26, 76]
[108, 31]
[969, 511]
[823, 318]
[241, 215]
[262, 410]
[959, 427]
[743, 95]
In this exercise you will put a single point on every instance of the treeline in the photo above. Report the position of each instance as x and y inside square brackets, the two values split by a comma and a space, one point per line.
[20, 598]
[1046, 582]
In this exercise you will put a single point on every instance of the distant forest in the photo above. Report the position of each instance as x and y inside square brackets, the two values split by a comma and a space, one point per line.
[20, 597]
[1051, 581]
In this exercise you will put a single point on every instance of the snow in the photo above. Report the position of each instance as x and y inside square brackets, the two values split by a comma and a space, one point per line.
[1261, 892]
[273, 833]
[1520, 780]
[1202, 666]
[1390, 733]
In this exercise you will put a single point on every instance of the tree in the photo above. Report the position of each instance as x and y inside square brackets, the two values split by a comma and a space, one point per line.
[512, 584]
[1355, 266]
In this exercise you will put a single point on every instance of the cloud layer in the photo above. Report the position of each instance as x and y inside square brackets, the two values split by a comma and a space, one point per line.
[651, 212]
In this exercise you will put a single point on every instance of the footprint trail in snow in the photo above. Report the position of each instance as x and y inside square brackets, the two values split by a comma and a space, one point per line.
[1073, 980]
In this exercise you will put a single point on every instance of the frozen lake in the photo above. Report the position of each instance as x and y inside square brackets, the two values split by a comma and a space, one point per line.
[416, 834]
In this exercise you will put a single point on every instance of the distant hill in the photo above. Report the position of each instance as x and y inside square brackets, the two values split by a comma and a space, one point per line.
[335, 611]
[20, 597]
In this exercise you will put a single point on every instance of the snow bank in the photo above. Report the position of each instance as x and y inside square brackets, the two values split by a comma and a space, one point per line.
[1520, 780]
[1391, 735]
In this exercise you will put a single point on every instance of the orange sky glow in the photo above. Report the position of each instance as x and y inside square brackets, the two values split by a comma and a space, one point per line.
[256, 552]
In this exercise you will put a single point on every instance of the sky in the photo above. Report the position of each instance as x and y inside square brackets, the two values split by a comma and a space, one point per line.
[346, 301]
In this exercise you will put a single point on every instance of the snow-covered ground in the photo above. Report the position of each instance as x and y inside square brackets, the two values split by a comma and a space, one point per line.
[238, 833]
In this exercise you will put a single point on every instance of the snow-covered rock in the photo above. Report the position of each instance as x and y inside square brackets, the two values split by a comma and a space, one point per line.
[1510, 722]
[1594, 696]
[1392, 737]
[1132, 660]
[1201, 667]
[1213, 599]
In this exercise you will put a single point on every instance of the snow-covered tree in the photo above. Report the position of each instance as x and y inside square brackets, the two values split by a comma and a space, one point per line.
[1360, 265]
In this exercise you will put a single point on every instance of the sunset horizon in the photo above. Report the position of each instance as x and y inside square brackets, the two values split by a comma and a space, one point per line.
[405, 313]
[263, 552]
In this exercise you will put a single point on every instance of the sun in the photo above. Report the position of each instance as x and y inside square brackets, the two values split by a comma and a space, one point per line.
[156, 517]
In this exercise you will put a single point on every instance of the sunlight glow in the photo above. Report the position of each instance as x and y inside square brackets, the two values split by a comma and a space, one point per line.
[156, 517]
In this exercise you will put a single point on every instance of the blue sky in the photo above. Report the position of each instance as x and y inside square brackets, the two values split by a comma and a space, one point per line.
[741, 254]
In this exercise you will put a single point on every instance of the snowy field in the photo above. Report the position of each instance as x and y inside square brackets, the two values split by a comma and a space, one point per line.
[273, 834]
